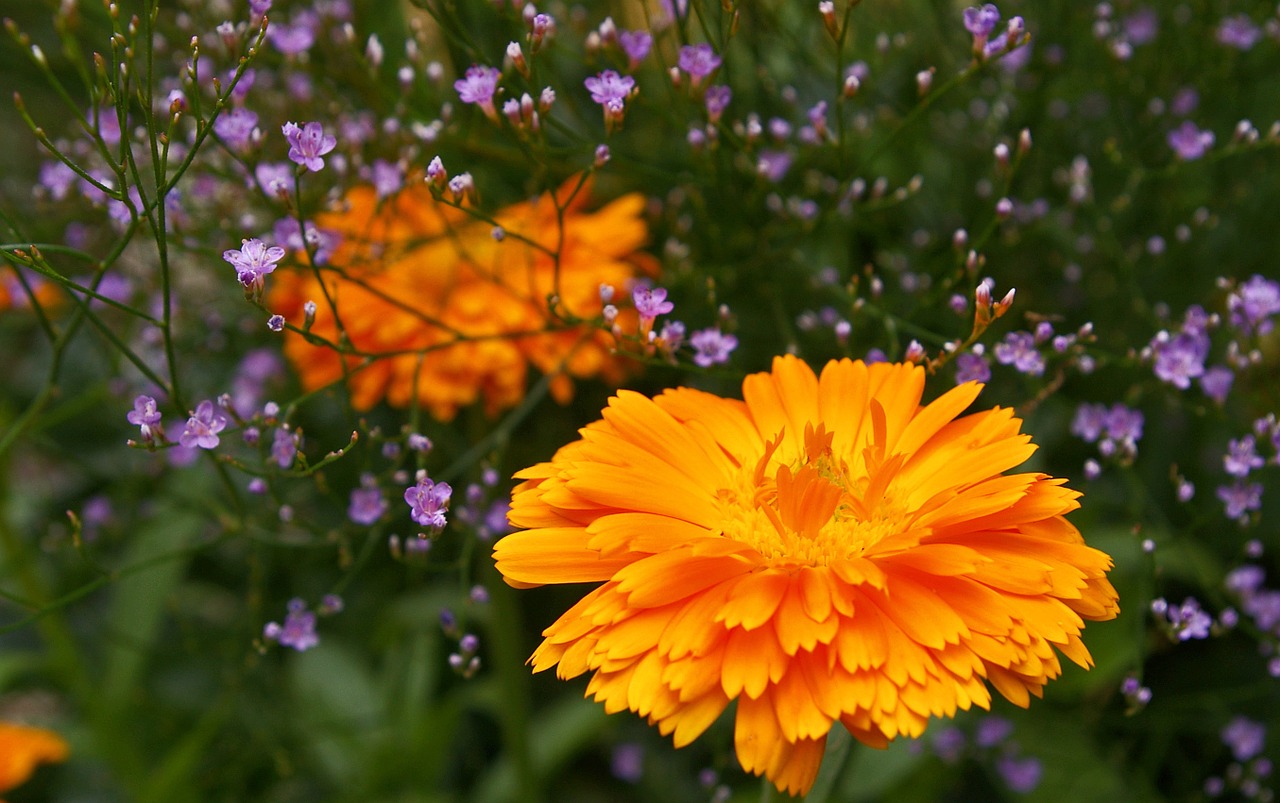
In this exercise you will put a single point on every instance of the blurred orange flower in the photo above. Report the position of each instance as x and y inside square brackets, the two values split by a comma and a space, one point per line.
[22, 748]
[450, 308]
[827, 550]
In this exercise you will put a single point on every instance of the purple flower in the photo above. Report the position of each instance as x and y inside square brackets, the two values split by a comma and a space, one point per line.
[1180, 358]
[1019, 350]
[296, 38]
[58, 179]
[307, 144]
[145, 415]
[981, 22]
[948, 743]
[299, 629]
[992, 731]
[1244, 580]
[1240, 498]
[636, 44]
[1189, 142]
[712, 347]
[289, 232]
[1264, 607]
[651, 303]
[1216, 383]
[972, 367]
[1141, 26]
[388, 178]
[367, 502]
[1252, 304]
[608, 87]
[203, 426]
[284, 447]
[1245, 737]
[428, 501]
[478, 86]
[627, 763]
[1188, 620]
[237, 127]
[773, 165]
[1022, 775]
[717, 99]
[698, 61]
[1239, 32]
[253, 260]
[276, 323]
[276, 178]
[1124, 424]
[1241, 457]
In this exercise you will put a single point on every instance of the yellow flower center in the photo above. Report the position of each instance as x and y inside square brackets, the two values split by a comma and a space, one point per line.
[812, 511]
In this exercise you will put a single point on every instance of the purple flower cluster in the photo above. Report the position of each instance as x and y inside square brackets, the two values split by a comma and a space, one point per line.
[1186, 621]
[712, 347]
[253, 260]
[1189, 142]
[1179, 357]
[1259, 603]
[1252, 305]
[1116, 429]
[298, 630]
[367, 502]
[203, 427]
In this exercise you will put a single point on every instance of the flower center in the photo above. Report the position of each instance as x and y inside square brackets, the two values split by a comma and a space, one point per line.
[811, 511]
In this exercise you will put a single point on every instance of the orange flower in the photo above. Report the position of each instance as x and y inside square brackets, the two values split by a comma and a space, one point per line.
[826, 550]
[22, 748]
[449, 312]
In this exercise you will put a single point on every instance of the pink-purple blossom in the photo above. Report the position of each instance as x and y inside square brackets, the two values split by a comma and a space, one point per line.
[253, 260]
[609, 86]
[1189, 142]
[478, 86]
[428, 501]
[698, 61]
[712, 347]
[298, 630]
[203, 427]
[308, 143]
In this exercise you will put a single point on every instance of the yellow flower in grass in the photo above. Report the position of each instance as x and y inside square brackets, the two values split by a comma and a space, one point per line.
[22, 748]
[827, 550]
[454, 310]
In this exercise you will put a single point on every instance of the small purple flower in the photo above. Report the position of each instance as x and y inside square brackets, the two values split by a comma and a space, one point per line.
[1241, 457]
[1189, 142]
[1019, 350]
[478, 86]
[289, 233]
[299, 629]
[367, 502]
[636, 44]
[294, 39]
[698, 61]
[981, 21]
[284, 447]
[1141, 26]
[627, 763]
[1124, 424]
[1238, 31]
[1240, 498]
[388, 178]
[992, 731]
[717, 99]
[307, 144]
[1245, 737]
[1179, 358]
[237, 127]
[608, 86]
[58, 179]
[203, 426]
[651, 303]
[773, 165]
[275, 178]
[253, 260]
[1244, 581]
[948, 743]
[1216, 383]
[428, 501]
[972, 367]
[712, 347]
[1022, 775]
[276, 323]
[1188, 620]
[145, 415]
[1253, 303]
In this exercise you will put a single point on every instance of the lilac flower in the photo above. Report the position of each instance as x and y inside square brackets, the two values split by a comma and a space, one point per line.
[1141, 26]
[1240, 498]
[288, 232]
[367, 502]
[650, 304]
[1188, 142]
[773, 165]
[294, 39]
[276, 323]
[717, 99]
[1244, 580]
[428, 501]
[1180, 358]
[259, 8]
[1186, 621]
[237, 127]
[672, 336]
[992, 731]
[948, 744]
[1253, 303]
[57, 178]
[981, 22]
[1241, 457]
[1022, 775]
[972, 367]
[388, 178]
[299, 629]
[1264, 607]
[1245, 737]
[1239, 32]
[1019, 350]
[253, 260]
[698, 61]
[478, 86]
[276, 178]
[608, 86]
[203, 426]
[1124, 424]
[146, 416]
[284, 447]
[636, 44]
[307, 144]
[712, 347]
[1216, 383]
[627, 763]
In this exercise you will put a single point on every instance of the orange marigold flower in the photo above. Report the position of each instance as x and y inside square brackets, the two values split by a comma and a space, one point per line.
[22, 748]
[449, 310]
[826, 550]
